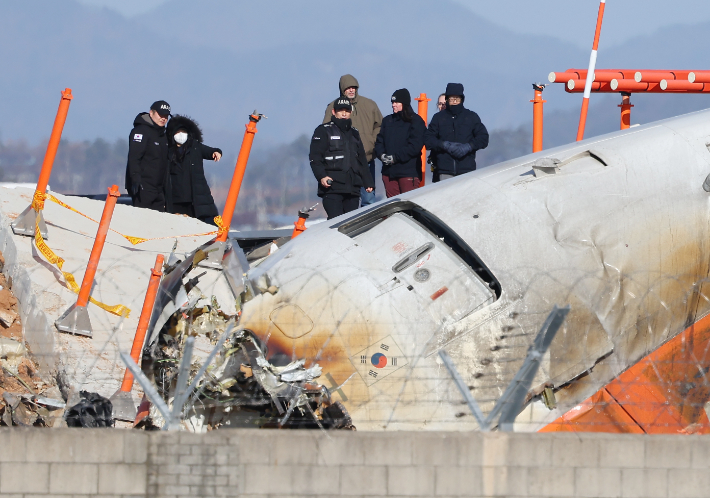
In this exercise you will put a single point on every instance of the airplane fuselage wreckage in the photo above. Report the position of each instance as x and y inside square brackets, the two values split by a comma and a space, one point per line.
[615, 227]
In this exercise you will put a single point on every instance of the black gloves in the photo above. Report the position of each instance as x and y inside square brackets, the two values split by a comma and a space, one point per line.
[386, 160]
[457, 150]
[136, 187]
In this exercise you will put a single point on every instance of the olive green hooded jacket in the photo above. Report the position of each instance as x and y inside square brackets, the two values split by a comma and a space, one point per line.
[366, 116]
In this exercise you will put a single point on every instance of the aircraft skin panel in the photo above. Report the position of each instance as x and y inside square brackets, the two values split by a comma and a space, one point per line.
[618, 229]
[665, 393]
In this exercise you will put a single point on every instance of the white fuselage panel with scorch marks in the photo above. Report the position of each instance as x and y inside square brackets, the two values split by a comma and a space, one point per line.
[615, 226]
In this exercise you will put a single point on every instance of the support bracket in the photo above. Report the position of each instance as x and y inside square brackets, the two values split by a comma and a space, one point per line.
[24, 224]
[75, 320]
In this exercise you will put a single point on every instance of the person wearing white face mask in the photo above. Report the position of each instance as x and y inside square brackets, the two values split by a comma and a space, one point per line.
[187, 191]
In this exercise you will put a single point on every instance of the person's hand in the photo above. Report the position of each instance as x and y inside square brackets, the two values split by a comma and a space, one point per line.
[136, 187]
[216, 156]
[368, 190]
[386, 160]
[457, 150]
[447, 146]
[462, 150]
[324, 181]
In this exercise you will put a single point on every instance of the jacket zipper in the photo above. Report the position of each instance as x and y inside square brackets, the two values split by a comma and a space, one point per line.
[454, 138]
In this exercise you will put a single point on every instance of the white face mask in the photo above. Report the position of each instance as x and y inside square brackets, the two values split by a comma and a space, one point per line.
[181, 137]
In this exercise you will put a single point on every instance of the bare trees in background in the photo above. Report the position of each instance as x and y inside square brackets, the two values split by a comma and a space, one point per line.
[278, 180]
[80, 167]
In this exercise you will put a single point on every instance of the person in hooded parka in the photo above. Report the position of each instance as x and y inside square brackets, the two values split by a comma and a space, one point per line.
[454, 135]
[367, 118]
[187, 190]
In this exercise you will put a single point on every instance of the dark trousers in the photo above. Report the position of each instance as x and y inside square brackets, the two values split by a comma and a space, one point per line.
[396, 186]
[151, 199]
[188, 209]
[337, 204]
[183, 208]
[367, 198]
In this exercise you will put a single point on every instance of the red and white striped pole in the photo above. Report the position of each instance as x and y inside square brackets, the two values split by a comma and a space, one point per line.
[590, 73]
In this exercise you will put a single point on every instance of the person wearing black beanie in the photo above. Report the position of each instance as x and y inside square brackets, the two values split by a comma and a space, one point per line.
[455, 134]
[399, 146]
[339, 161]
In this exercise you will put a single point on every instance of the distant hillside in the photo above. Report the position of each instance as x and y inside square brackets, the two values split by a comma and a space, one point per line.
[219, 60]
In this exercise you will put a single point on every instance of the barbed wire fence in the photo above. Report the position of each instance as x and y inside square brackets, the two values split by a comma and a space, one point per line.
[631, 356]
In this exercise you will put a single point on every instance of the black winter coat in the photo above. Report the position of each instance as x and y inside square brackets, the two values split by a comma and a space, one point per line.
[464, 127]
[338, 153]
[147, 155]
[187, 175]
[403, 141]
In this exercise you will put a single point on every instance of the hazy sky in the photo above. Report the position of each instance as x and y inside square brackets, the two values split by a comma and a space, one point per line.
[570, 20]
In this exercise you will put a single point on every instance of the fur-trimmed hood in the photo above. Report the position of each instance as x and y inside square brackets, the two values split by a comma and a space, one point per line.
[188, 124]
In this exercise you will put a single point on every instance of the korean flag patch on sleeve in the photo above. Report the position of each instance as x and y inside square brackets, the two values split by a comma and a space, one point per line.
[138, 137]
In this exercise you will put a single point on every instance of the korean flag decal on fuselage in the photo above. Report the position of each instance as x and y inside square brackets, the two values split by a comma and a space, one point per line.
[137, 137]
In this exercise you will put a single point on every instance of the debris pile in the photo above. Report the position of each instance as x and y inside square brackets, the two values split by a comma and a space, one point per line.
[242, 388]
[24, 395]
[233, 380]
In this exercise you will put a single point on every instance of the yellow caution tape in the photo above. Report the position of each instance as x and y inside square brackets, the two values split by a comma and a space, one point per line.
[39, 201]
[44, 249]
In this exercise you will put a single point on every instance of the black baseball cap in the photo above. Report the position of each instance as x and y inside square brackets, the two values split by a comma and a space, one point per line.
[343, 103]
[161, 107]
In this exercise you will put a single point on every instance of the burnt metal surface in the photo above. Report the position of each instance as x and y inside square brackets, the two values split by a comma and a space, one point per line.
[619, 232]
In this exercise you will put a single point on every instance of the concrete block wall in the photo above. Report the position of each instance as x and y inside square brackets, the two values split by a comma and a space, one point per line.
[120, 463]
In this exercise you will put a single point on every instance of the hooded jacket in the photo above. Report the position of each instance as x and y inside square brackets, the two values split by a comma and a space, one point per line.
[366, 116]
[336, 151]
[187, 182]
[147, 157]
[403, 141]
[460, 125]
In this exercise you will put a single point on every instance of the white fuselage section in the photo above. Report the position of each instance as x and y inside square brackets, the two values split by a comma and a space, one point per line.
[615, 226]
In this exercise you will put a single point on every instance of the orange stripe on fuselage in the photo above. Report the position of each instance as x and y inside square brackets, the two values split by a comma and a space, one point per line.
[664, 393]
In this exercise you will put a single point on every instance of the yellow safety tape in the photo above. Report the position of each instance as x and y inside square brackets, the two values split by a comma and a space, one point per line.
[39, 201]
[44, 249]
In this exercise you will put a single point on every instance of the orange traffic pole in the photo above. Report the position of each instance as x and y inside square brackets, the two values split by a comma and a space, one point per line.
[423, 111]
[537, 117]
[54, 139]
[76, 319]
[238, 176]
[590, 71]
[299, 226]
[90, 273]
[144, 319]
[25, 223]
[625, 110]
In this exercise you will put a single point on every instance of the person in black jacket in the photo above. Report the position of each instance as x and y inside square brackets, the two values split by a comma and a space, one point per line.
[187, 191]
[339, 162]
[147, 166]
[440, 106]
[455, 134]
[399, 146]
